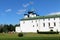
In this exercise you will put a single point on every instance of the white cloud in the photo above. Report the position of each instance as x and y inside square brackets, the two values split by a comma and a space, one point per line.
[8, 10]
[21, 11]
[30, 2]
[27, 4]
[55, 13]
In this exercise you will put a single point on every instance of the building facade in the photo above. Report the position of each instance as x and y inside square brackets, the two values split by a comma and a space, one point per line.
[33, 22]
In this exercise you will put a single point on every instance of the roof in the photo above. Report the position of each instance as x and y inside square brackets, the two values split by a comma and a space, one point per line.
[41, 17]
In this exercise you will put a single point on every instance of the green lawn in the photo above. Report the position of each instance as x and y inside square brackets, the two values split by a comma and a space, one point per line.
[29, 36]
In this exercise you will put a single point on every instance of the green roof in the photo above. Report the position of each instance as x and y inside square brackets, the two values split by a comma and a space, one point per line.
[41, 17]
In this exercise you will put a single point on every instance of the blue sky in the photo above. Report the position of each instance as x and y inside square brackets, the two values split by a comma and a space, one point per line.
[12, 10]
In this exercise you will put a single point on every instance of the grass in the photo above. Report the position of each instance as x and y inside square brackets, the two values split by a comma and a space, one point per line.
[29, 36]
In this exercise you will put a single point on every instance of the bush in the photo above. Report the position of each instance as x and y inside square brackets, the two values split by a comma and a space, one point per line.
[20, 35]
[48, 32]
[38, 31]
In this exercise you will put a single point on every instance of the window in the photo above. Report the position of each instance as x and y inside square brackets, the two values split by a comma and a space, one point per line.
[37, 25]
[54, 18]
[36, 20]
[33, 25]
[54, 24]
[43, 19]
[48, 18]
[23, 22]
[48, 24]
[43, 24]
[32, 21]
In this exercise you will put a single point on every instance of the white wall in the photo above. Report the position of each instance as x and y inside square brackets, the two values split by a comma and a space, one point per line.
[26, 16]
[51, 21]
[17, 29]
[42, 28]
[27, 25]
[32, 15]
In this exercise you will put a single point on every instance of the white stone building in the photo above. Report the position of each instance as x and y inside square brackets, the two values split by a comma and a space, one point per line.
[33, 22]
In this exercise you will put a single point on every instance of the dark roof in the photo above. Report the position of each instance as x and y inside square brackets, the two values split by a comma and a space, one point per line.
[30, 12]
[25, 14]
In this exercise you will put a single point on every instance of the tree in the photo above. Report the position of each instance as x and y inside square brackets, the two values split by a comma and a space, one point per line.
[7, 28]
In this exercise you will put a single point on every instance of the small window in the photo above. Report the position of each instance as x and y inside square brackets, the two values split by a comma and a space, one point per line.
[32, 21]
[54, 18]
[37, 25]
[48, 18]
[33, 25]
[43, 24]
[48, 24]
[36, 20]
[54, 24]
[44, 19]
[23, 22]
